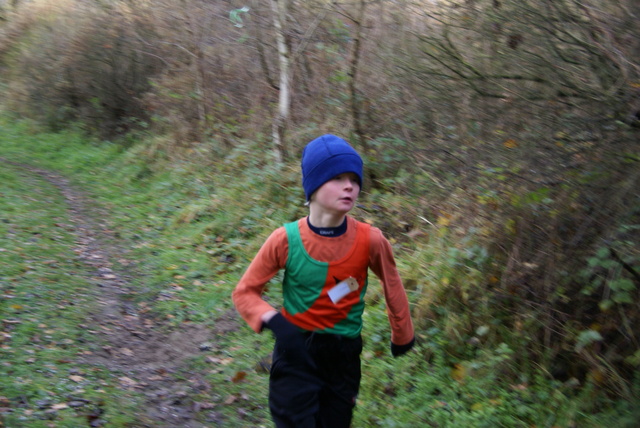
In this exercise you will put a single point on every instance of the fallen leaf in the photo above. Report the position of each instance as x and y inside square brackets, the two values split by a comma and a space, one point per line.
[76, 378]
[519, 387]
[60, 406]
[458, 372]
[510, 143]
[127, 381]
[239, 377]
[444, 220]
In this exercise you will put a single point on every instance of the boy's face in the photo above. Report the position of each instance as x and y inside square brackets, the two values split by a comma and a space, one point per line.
[337, 195]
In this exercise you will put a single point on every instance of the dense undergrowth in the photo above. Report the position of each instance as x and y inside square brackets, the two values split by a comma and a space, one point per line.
[194, 225]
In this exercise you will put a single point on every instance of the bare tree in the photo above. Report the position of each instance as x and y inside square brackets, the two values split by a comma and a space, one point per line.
[280, 9]
[288, 56]
[540, 49]
[354, 97]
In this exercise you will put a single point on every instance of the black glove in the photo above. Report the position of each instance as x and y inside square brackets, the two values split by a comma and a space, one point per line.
[289, 339]
[397, 350]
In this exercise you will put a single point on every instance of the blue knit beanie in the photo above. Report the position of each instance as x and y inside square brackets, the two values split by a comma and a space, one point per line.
[324, 158]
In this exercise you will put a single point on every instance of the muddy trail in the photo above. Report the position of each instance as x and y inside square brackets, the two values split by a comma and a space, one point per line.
[143, 353]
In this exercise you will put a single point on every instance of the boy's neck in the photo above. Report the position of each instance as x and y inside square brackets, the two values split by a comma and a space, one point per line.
[329, 232]
[321, 218]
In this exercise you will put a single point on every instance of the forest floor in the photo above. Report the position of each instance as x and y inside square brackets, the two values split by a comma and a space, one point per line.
[146, 354]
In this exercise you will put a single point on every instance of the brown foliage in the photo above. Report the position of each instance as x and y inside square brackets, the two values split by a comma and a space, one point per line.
[84, 64]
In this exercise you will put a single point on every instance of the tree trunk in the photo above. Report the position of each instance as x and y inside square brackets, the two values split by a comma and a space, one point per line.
[279, 8]
[356, 113]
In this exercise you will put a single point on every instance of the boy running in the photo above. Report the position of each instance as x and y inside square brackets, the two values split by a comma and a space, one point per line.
[315, 374]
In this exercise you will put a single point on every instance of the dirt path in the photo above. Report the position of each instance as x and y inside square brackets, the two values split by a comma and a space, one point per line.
[144, 354]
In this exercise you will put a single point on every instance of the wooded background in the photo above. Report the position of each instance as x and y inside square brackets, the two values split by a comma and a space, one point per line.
[511, 126]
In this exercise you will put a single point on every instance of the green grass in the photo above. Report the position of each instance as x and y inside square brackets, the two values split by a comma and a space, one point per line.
[192, 230]
[46, 300]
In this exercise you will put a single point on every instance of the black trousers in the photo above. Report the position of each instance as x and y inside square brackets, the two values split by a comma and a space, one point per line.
[318, 390]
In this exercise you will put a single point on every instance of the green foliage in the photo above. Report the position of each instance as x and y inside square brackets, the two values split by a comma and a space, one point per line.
[614, 268]
[417, 391]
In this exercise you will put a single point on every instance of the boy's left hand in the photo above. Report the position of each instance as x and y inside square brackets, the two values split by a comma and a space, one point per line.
[397, 350]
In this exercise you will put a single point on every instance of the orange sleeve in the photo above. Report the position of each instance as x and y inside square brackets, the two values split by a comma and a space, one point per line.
[247, 296]
[383, 265]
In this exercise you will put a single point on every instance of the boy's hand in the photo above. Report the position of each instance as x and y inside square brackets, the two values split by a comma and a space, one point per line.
[397, 350]
[288, 337]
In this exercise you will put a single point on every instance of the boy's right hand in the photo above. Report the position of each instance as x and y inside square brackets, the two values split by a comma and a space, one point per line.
[397, 350]
[289, 338]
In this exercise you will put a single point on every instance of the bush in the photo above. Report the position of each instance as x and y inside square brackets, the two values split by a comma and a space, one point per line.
[86, 64]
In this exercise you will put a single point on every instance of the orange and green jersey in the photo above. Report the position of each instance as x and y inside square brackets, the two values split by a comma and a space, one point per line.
[313, 265]
[309, 286]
